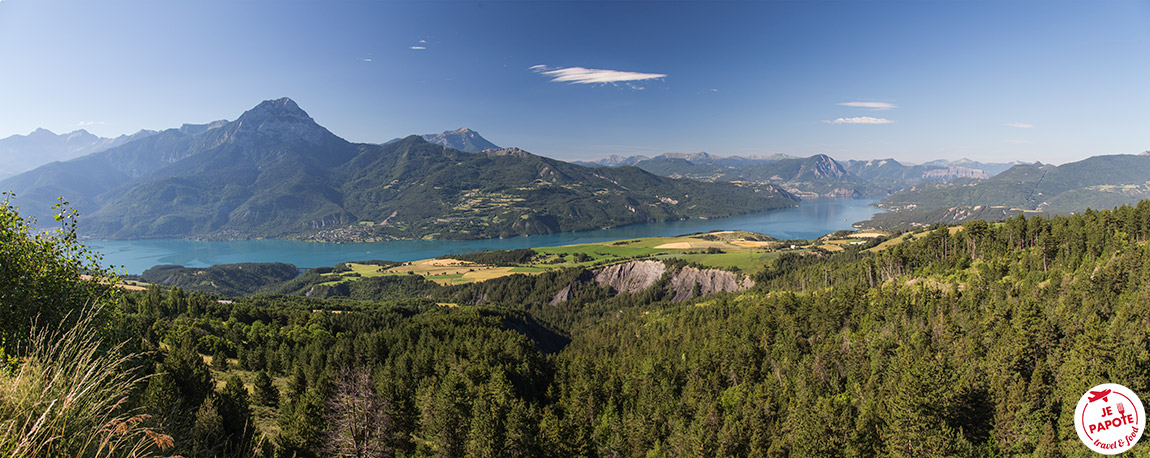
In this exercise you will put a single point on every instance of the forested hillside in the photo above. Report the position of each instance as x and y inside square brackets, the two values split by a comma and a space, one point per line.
[974, 340]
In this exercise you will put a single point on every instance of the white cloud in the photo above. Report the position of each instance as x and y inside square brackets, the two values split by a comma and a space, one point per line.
[88, 123]
[419, 48]
[366, 59]
[580, 75]
[860, 120]
[872, 105]
[1020, 125]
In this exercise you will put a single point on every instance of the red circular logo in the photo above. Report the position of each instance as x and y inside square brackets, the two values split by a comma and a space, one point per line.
[1109, 418]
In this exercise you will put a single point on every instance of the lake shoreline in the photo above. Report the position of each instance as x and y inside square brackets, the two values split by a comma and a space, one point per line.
[810, 219]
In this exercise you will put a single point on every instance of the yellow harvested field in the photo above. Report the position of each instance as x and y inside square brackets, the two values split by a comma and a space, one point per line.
[436, 266]
[674, 246]
[454, 272]
[751, 244]
[444, 262]
[867, 235]
[128, 285]
[496, 272]
[831, 247]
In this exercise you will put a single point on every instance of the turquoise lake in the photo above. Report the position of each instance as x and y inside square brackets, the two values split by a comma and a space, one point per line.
[811, 219]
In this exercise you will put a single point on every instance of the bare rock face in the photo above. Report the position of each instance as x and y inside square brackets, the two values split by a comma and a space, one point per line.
[631, 277]
[638, 276]
[689, 281]
[562, 296]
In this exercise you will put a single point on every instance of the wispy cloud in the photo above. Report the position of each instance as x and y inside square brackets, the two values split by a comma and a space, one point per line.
[1020, 125]
[871, 105]
[580, 75]
[88, 123]
[365, 59]
[860, 120]
[419, 48]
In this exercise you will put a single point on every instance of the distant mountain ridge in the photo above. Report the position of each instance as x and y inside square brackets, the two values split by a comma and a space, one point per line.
[20, 153]
[275, 172]
[694, 158]
[815, 176]
[462, 139]
[1097, 182]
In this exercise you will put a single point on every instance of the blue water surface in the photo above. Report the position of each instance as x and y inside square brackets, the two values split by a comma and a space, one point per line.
[811, 219]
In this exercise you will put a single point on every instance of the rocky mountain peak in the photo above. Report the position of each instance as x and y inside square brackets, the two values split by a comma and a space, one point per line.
[282, 119]
[823, 166]
[462, 139]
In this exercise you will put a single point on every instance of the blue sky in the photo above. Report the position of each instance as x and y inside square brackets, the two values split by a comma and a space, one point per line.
[914, 80]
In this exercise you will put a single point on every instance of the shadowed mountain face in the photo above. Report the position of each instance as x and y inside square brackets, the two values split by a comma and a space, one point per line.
[275, 172]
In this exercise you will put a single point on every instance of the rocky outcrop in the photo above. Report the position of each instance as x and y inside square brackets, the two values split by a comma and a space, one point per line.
[690, 282]
[638, 276]
[631, 277]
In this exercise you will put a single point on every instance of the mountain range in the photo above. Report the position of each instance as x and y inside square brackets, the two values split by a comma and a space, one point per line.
[275, 172]
[814, 176]
[1097, 182]
[20, 153]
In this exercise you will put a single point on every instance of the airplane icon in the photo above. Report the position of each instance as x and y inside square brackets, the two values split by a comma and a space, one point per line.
[1096, 395]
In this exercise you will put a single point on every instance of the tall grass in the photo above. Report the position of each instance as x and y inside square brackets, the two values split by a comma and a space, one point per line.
[69, 398]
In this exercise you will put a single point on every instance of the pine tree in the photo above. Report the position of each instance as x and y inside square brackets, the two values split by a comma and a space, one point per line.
[207, 429]
[263, 391]
[235, 414]
[220, 361]
[301, 431]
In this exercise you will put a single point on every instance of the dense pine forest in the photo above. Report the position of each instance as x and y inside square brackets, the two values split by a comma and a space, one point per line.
[972, 340]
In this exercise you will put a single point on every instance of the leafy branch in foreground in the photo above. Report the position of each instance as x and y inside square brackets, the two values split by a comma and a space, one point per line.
[45, 276]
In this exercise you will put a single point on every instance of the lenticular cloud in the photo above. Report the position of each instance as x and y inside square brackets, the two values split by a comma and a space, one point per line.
[860, 120]
[580, 75]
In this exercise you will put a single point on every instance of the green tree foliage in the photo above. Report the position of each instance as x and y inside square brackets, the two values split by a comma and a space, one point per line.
[302, 426]
[235, 414]
[263, 391]
[962, 341]
[42, 275]
[64, 389]
[207, 430]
